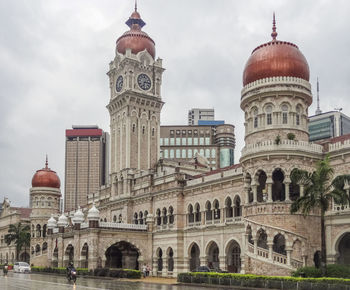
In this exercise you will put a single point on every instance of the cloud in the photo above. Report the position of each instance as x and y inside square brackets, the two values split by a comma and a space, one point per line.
[54, 56]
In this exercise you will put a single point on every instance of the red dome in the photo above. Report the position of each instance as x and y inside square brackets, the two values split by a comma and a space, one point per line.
[135, 39]
[46, 178]
[275, 58]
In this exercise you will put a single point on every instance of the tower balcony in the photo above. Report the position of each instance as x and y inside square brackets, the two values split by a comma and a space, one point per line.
[270, 146]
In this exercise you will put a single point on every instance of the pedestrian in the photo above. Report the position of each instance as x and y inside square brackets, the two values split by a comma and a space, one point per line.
[144, 270]
[148, 269]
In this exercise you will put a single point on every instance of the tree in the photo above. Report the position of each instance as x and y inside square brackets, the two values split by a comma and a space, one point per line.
[319, 191]
[20, 235]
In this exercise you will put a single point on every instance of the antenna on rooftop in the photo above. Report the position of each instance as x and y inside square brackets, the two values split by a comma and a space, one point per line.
[318, 110]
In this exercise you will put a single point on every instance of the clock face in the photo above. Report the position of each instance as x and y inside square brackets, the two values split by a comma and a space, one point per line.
[144, 82]
[119, 84]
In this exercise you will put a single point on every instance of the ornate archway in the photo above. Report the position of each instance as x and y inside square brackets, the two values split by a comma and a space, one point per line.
[84, 256]
[122, 255]
[194, 257]
[344, 249]
[233, 257]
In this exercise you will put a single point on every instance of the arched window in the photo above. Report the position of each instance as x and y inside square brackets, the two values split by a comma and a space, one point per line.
[133, 128]
[159, 219]
[229, 208]
[255, 113]
[140, 218]
[152, 131]
[238, 208]
[284, 114]
[171, 215]
[216, 210]
[268, 115]
[208, 213]
[279, 244]
[44, 230]
[120, 218]
[143, 129]
[190, 214]
[115, 218]
[38, 231]
[297, 116]
[136, 218]
[278, 187]
[197, 216]
[165, 217]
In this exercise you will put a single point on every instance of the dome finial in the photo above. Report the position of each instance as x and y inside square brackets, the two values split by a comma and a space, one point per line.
[274, 33]
[135, 5]
[46, 162]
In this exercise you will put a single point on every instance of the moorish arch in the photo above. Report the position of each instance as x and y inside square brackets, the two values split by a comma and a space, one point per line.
[84, 256]
[122, 254]
[69, 255]
[212, 253]
[343, 248]
[193, 254]
[233, 256]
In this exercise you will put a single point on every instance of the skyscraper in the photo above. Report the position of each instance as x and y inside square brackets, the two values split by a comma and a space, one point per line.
[196, 114]
[86, 167]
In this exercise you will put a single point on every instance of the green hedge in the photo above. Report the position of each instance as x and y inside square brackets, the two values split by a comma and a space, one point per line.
[257, 281]
[103, 272]
[333, 270]
[118, 273]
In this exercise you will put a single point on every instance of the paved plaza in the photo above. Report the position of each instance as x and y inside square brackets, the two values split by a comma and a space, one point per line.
[52, 282]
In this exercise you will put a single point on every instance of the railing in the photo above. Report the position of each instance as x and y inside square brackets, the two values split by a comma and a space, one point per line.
[339, 145]
[279, 258]
[194, 224]
[340, 208]
[123, 226]
[270, 145]
[84, 225]
[231, 220]
[209, 222]
[263, 253]
[296, 264]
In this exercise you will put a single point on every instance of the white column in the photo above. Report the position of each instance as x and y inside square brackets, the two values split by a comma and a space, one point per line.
[127, 149]
[149, 144]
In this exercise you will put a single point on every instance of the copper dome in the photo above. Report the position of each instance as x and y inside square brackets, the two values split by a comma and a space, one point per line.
[275, 58]
[46, 178]
[135, 39]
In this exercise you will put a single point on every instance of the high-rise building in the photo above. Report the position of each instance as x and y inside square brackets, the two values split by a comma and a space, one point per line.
[86, 164]
[328, 125]
[196, 114]
[216, 143]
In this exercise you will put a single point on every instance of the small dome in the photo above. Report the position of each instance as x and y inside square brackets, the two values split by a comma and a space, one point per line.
[51, 223]
[62, 221]
[135, 39]
[93, 213]
[78, 216]
[274, 59]
[46, 178]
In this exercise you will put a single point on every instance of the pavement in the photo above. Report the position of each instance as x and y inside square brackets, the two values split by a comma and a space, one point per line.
[18, 281]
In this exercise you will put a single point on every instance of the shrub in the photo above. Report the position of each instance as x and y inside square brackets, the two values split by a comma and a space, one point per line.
[307, 272]
[333, 271]
[118, 273]
[291, 136]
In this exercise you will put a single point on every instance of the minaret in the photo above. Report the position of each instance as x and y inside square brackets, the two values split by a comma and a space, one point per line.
[135, 100]
[45, 196]
[318, 110]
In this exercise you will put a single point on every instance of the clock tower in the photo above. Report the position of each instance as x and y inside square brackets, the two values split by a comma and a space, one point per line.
[135, 104]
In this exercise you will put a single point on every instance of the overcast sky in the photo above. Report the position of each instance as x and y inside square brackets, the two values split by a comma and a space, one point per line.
[54, 57]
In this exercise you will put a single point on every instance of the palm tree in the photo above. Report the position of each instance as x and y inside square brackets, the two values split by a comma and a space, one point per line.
[319, 191]
[20, 235]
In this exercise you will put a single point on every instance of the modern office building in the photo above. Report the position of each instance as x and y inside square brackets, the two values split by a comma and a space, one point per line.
[196, 114]
[86, 164]
[214, 142]
[328, 125]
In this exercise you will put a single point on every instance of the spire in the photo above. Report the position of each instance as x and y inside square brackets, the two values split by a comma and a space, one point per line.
[135, 20]
[46, 162]
[274, 33]
[318, 110]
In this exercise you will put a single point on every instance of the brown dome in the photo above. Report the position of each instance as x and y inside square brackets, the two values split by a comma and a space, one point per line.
[275, 58]
[46, 178]
[135, 39]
